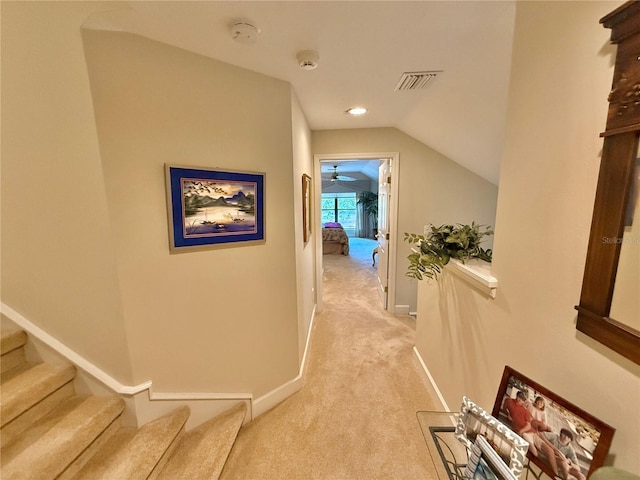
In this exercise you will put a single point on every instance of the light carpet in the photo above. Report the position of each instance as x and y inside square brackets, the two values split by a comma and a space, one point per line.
[355, 416]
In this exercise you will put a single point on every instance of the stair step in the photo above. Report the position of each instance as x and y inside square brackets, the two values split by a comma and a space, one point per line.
[23, 391]
[114, 446]
[131, 454]
[19, 370]
[12, 342]
[48, 432]
[12, 360]
[46, 449]
[11, 339]
[12, 430]
[203, 451]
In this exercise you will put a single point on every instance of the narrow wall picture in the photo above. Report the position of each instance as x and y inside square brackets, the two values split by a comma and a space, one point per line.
[306, 207]
[210, 208]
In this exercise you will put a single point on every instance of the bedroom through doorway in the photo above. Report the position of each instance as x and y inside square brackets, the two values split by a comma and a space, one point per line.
[350, 196]
[347, 194]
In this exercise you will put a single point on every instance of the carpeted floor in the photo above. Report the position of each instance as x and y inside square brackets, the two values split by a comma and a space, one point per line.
[355, 417]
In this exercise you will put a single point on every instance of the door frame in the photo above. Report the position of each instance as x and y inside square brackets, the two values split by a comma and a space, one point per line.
[393, 217]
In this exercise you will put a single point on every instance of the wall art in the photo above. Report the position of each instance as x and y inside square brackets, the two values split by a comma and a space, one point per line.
[564, 440]
[211, 208]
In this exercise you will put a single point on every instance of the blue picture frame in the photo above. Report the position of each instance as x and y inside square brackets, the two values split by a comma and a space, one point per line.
[210, 208]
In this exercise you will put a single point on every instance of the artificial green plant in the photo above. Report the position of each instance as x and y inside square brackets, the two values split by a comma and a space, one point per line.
[434, 250]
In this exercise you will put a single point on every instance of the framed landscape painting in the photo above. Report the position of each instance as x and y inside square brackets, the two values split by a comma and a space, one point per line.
[212, 208]
[564, 440]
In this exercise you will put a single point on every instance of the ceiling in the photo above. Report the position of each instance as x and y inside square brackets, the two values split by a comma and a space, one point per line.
[364, 48]
[364, 169]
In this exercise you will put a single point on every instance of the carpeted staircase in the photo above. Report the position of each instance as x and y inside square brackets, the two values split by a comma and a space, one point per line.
[50, 432]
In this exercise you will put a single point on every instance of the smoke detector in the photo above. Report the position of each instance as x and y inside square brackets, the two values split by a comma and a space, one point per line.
[308, 59]
[243, 31]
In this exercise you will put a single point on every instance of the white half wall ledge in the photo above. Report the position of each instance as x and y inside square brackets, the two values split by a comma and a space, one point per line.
[477, 273]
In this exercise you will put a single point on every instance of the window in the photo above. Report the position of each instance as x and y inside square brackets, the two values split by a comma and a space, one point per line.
[339, 207]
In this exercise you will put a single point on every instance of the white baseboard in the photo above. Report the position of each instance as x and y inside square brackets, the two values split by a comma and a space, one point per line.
[203, 406]
[277, 395]
[269, 400]
[401, 310]
[430, 380]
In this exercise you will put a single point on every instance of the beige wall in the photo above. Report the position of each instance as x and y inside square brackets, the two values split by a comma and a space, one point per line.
[84, 235]
[431, 189]
[305, 253]
[221, 320]
[561, 76]
[58, 259]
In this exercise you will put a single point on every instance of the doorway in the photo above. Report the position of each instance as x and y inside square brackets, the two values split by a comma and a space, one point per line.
[345, 178]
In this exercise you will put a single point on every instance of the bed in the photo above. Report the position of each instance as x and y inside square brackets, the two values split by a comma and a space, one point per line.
[334, 240]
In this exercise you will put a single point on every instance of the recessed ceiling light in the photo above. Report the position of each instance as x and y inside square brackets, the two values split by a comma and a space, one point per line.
[357, 111]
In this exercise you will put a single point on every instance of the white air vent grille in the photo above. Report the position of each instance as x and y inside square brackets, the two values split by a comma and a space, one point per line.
[416, 80]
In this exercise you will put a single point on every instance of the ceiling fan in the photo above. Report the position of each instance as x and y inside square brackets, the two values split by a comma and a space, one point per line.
[340, 178]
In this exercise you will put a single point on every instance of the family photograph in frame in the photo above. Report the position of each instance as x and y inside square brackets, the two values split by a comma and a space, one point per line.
[210, 207]
[564, 441]
[474, 422]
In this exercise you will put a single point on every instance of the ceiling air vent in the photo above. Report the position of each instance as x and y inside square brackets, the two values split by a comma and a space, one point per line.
[416, 80]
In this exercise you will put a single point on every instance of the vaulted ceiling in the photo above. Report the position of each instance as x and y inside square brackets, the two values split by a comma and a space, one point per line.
[364, 48]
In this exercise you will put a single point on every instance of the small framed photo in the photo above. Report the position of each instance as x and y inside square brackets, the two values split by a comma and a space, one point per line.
[474, 421]
[485, 464]
[564, 440]
[209, 208]
[306, 207]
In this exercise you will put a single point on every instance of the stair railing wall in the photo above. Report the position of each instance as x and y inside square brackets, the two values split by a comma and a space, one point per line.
[142, 403]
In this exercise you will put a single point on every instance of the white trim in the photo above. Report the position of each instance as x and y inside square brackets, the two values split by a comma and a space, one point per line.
[303, 364]
[477, 273]
[274, 397]
[393, 230]
[73, 356]
[431, 380]
[198, 396]
[317, 228]
[200, 399]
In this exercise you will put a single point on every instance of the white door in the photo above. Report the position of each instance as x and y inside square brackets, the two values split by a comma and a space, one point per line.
[384, 195]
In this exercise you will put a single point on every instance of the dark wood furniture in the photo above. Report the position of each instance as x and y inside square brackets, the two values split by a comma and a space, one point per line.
[614, 189]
